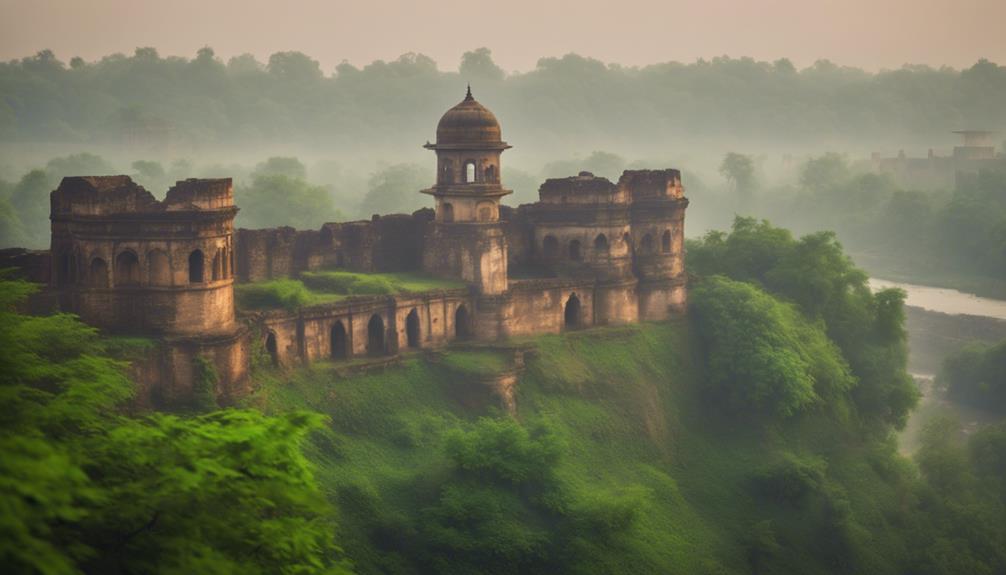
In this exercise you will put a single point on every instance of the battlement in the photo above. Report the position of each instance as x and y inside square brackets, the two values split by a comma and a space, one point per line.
[118, 195]
[651, 184]
[584, 188]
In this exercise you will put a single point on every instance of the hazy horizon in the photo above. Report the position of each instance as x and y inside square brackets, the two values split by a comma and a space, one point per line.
[887, 35]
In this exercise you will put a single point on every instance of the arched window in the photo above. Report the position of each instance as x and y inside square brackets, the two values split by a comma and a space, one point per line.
[462, 324]
[646, 246]
[340, 343]
[574, 250]
[571, 315]
[375, 335]
[271, 348]
[97, 273]
[127, 269]
[601, 244]
[469, 172]
[412, 328]
[158, 268]
[550, 247]
[218, 266]
[196, 264]
[665, 242]
[448, 215]
[446, 175]
[491, 174]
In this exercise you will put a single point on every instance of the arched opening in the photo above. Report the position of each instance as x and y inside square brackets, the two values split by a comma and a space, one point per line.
[97, 273]
[601, 244]
[646, 246]
[491, 174]
[446, 176]
[340, 343]
[665, 242]
[375, 335]
[574, 250]
[448, 212]
[218, 266]
[571, 316]
[127, 269]
[271, 348]
[469, 172]
[158, 268]
[196, 267]
[550, 247]
[462, 323]
[412, 328]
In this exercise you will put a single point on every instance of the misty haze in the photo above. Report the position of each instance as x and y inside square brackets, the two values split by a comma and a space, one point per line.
[524, 288]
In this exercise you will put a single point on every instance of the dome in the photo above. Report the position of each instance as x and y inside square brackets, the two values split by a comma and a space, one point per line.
[469, 123]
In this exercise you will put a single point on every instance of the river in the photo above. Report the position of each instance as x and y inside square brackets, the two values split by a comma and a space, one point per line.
[940, 321]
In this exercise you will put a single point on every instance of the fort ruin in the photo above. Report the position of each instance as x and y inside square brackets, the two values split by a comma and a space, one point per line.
[589, 252]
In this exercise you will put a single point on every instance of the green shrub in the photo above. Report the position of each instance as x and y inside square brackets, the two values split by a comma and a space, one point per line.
[792, 478]
[282, 293]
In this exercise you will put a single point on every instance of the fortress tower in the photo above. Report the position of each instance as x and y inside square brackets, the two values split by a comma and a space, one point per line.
[466, 240]
[128, 263]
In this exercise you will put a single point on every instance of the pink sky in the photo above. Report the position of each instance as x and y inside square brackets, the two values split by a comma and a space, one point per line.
[867, 33]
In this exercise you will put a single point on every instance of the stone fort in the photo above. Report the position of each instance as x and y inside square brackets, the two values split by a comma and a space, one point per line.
[589, 252]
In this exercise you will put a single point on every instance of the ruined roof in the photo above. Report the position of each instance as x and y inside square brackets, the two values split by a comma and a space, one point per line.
[109, 195]
[582, 188]
[467, 123]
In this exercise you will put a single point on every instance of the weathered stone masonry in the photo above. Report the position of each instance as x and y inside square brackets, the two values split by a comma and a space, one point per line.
[590, 252]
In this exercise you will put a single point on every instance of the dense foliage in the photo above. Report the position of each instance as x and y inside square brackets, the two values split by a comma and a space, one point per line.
[204, 99]
[814, 274]
[86, 487]
[976, 375]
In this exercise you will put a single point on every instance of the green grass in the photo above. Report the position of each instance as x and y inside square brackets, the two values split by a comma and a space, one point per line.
[279, 294]
[477, 363]
[352, 283]
[321, 287]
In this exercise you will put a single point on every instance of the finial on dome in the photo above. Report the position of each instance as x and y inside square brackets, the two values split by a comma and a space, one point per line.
[468, 96]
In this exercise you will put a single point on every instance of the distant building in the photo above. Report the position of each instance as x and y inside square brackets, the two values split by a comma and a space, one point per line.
[942, 172]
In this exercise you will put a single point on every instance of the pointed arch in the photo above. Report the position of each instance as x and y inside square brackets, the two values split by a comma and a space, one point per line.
[196, 264]
[412, 332]
[571, 312]
[462, 323]
[646, 245]
[601, 244]
[375, 335]
[339, 341]
[271, 348]
[97, 273]
[127, 269]
[575, 253]
[665, 242]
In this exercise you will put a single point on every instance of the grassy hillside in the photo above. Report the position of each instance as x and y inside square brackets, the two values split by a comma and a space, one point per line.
[699, 492]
